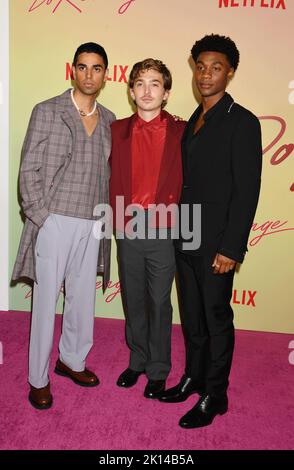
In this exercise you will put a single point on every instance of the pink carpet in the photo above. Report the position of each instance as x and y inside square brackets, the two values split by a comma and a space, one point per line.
[261, 405]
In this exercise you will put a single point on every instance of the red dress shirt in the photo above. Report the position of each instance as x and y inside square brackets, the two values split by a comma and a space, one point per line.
[148, 141]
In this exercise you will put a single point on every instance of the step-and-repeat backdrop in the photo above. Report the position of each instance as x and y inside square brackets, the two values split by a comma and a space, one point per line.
[44, 35]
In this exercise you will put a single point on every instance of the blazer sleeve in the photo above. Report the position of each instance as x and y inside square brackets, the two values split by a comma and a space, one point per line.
[246, 174]
[31, 174]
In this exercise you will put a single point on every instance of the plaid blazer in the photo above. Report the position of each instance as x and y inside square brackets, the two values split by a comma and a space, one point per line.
[47, 150]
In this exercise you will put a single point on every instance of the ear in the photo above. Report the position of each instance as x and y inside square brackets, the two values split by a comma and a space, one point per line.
[166, 95]
[231, 73]
[132, 94]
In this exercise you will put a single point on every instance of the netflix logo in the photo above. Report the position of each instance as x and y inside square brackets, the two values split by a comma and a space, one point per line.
[117, 73]
[68, 71]
[244, 297]
[253, 3]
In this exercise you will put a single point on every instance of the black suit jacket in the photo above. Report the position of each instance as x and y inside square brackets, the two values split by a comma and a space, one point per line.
[221, 171]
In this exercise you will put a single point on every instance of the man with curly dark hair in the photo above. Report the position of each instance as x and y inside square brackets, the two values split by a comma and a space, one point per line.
[222, 156]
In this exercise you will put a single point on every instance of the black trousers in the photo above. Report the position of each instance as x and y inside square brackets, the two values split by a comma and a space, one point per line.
[147, 269]
[207, 320]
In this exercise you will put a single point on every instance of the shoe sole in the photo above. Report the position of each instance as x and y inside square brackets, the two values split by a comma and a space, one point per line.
[82, 384]
[40, 407]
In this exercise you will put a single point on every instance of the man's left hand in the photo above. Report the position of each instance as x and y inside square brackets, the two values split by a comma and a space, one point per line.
[222, 264]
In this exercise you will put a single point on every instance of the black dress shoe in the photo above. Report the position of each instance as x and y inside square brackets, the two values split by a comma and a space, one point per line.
[154, 388]
[180, 392]
[204, 412]
[128, 378]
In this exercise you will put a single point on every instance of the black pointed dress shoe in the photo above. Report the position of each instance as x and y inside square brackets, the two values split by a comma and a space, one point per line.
[180, 392]
[128, 378]
[154, 388]
[204, 412]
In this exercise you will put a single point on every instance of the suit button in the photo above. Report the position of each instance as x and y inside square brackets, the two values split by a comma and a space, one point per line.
[69, 155]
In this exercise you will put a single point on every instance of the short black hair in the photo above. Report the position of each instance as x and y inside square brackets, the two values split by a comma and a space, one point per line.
[217, 43]
[91, 47]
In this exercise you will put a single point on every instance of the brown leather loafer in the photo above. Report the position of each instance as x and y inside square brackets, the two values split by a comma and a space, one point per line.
[86, 378]
[40, 398]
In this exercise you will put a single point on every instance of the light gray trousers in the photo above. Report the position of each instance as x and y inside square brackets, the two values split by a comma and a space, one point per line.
[66, 250]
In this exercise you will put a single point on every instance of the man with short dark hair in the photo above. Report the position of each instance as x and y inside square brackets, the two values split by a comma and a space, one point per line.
[63, 176]
[222, 157]
[146, 171]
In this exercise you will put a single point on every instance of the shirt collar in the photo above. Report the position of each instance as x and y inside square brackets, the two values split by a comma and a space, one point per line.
[225, 102]
[157, 122]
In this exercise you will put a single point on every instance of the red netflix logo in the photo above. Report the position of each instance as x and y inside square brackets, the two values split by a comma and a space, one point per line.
[244, 298]
[253, 3]
[116, 74]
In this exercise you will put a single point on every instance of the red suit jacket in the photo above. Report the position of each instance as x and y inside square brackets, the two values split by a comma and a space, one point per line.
[170, 174]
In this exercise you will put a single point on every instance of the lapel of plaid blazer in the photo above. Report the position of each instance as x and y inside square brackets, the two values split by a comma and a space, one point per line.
[105, 132]
[69, 115]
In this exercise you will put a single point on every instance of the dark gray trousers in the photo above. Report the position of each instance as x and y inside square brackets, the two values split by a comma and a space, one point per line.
[147, 269]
